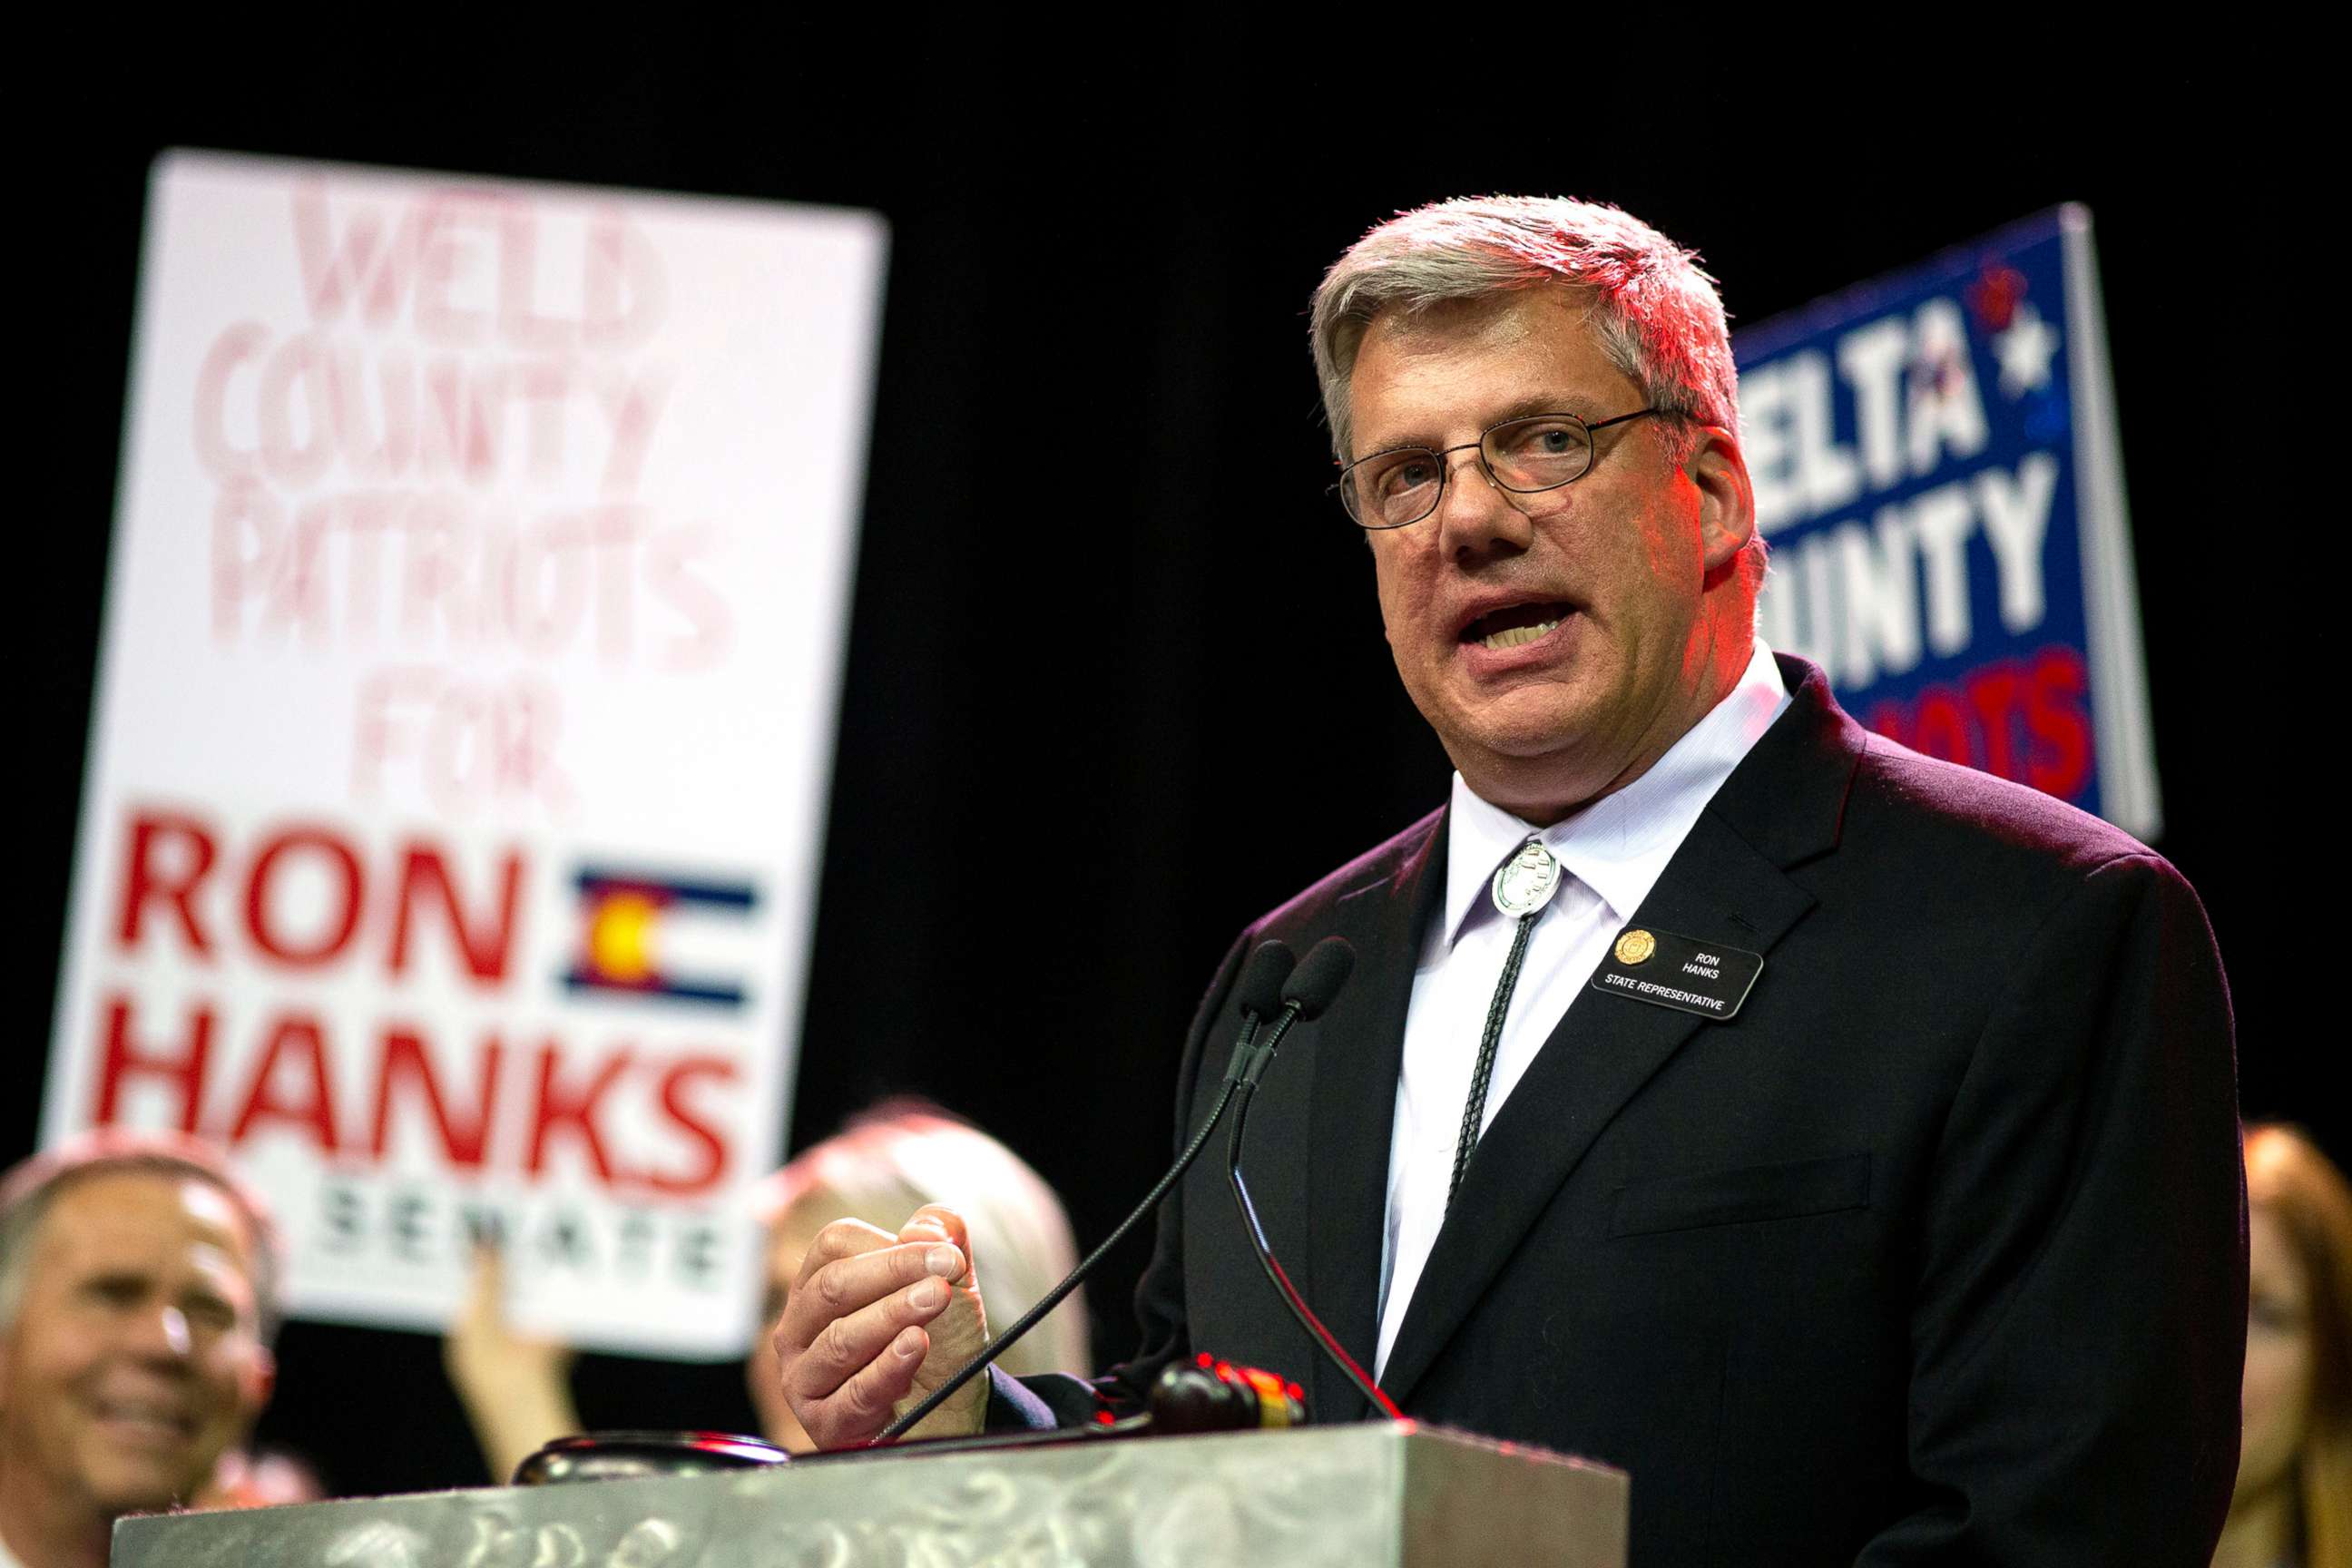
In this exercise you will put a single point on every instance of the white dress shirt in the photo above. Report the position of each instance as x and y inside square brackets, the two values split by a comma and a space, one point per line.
[1612, 852]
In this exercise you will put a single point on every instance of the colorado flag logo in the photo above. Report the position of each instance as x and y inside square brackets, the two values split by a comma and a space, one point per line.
[625, 918]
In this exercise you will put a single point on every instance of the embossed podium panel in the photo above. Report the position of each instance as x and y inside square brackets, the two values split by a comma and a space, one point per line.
[1397, 1494]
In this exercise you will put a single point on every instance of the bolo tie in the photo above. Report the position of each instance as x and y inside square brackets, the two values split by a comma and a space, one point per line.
[1522, 886]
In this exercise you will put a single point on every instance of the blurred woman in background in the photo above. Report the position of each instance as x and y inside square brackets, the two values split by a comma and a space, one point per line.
[884, 1165]
[2293, 1506]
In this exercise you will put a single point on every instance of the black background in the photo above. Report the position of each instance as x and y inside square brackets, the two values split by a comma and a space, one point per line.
[1115, 681]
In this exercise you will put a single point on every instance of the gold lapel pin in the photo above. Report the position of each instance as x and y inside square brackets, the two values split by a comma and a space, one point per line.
[1635, 947]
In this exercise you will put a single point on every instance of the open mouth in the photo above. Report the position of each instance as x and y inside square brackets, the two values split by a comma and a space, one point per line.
[1515, 625]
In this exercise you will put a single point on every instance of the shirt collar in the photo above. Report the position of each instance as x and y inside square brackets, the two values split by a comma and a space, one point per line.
[1620, 845]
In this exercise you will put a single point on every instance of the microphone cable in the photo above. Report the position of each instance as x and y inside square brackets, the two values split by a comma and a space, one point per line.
[1311, 989]
[1261, 990]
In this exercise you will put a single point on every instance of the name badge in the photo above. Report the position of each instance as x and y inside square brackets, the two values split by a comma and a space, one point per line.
[1678, 972]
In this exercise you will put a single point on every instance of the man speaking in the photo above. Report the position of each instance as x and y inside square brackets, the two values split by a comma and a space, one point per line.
[1843, 1142]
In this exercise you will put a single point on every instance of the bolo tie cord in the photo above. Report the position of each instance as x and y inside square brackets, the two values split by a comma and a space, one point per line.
[1474, 1113]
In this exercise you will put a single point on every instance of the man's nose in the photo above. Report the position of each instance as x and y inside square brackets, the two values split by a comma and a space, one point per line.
[1476, 518]
[163, 1334]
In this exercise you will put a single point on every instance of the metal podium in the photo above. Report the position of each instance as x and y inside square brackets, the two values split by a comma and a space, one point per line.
[1397, 1494]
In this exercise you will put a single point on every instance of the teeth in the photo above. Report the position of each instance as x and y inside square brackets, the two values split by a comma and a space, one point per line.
[1517, 636]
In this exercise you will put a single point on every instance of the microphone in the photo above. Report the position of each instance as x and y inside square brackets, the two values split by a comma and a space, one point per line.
[1264, 983]
[1316, 983]
[1265, 986]
[1311, 989]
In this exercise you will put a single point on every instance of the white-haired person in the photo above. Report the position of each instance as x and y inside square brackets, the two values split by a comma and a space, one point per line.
[1843, 1142]
[138, 1280]
[891, 1161]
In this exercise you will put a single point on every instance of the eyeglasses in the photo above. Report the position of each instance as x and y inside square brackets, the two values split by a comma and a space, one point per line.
[1538, 452]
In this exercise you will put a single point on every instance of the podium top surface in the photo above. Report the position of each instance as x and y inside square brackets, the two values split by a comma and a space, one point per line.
[1397, 1494]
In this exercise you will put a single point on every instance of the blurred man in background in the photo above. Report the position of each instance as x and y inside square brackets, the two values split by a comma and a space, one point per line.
[137, 1281]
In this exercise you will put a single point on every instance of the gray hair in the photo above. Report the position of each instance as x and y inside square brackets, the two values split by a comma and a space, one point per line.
[31, 1187]
[897, 1156]
[1655, 311]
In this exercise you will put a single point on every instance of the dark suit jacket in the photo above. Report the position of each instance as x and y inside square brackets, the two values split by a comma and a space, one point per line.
[1933, 1254]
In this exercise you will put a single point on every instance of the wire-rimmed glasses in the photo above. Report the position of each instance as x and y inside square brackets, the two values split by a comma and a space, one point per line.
[1535, 452]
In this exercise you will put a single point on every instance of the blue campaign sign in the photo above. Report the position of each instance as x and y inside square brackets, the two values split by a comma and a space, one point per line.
[1938, 474]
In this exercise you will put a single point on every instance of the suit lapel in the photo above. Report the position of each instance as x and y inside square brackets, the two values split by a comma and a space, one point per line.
[1727, 883]
[1359, 1051]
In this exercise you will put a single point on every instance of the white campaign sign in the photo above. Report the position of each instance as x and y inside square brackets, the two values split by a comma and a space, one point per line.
[449, 840]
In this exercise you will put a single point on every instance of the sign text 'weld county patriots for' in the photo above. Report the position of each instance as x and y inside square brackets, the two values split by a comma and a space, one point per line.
[1937, 470]
[464, 727]
[623, 917]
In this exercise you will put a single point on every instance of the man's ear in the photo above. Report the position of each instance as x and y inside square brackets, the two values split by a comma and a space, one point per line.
[1727, 497]
[260, 1381]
